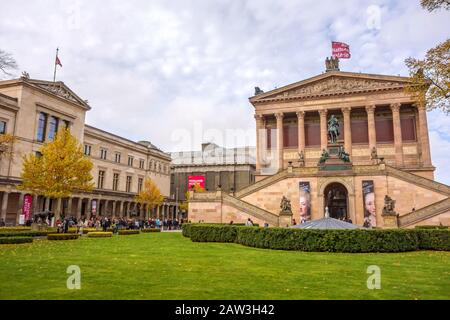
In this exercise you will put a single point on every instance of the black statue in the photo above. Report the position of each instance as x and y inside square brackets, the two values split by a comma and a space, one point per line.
[344, 156]
[333, 129]
[389, 206]
[324, 156]
[258, 91]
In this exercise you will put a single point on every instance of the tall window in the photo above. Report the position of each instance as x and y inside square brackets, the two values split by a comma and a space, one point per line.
[66, 124]
[150, 165]
[130, 161]
[141, 163]
[115, 182]
[2, 127]
[128, 186]
[42, 124]
[52, 128]
[87, 149]
[140, 182]
[118, 156]
[101, 179]
[103, 153]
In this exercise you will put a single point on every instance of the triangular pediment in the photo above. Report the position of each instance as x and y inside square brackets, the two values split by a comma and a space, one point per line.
[331, 84]
[59, 89]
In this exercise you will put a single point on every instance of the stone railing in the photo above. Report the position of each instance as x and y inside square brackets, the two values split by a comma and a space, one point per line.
[424, 213]
[418, 180]
[261, 184]
[250, 209]
[204, 196]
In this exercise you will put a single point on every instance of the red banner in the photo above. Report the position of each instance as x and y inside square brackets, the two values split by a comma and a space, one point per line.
[193, 180]
[27, 205]
[341, 50]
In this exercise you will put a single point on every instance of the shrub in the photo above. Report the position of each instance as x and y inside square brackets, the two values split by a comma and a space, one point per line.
[87, 230]
[150, 230]
[15, 240]
[23, 234]
[128, 232]
[214, 233]
[100, 234]
[14, 229]
[186, 229]
[434, 239]
[62, 236]
[432, 227]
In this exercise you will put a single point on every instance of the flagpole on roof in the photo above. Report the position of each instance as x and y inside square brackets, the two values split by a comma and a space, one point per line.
[54, 73]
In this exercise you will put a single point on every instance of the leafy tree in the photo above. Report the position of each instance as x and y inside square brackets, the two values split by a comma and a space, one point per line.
[150, 195]
[184, 206]
[6, 142]
[7, 62]
[432, 5]
[59, 170]
[430, 77]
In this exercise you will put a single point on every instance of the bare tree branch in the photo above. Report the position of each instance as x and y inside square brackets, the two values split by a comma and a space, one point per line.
[7, 62]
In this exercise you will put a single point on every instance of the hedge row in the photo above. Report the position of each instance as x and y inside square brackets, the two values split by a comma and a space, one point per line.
[433, 227]
[14, 229]
[128, 232]
[186, 227]
[150, 230]
[323, 240]
[16, 240]
[100, 234]
[62, 236]
[24, 234]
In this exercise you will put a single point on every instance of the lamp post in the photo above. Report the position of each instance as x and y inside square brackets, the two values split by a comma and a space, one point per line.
[176, 204]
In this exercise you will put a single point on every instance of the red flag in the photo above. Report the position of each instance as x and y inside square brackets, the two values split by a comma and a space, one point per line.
[58, 62]
[341, 50]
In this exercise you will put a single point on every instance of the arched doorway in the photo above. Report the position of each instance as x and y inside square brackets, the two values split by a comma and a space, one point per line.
[336, 199]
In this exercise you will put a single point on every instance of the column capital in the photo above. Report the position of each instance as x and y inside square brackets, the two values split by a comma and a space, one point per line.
[371, 108]
[346, 110]
[259, 117]
[300, 114]
[323, 112]
[420, 105]
[279, 115]
[395, 107]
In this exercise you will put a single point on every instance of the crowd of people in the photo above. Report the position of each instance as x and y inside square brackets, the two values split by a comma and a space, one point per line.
[116, 224]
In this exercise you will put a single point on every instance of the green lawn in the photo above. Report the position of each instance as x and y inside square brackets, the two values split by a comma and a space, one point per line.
[168, 266]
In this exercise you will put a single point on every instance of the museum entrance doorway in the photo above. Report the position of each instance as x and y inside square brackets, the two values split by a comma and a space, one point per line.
[336, 199]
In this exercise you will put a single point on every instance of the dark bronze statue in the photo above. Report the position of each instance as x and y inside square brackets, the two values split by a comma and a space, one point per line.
[389, 206]
[333, 129]
[344, 156]
[324, 156]
[258, 91]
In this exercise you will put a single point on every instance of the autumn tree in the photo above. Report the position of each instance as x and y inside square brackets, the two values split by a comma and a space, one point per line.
[59, 170]
[430, 77]
[150, 195]
[6, 146]
[7, 62]
[184, 206]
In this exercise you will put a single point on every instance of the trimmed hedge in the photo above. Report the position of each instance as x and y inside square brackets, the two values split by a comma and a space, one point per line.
[100, 234]
[150, 230]
[24, 234]
[432, 227]
[186, 227]
[214, 233]
[14, 229]
[62, 236]
[434, 239]
[354, 241]
[128, 232]
[16, 240]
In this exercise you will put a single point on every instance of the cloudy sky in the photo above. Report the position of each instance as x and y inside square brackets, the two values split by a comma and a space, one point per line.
[180, 72]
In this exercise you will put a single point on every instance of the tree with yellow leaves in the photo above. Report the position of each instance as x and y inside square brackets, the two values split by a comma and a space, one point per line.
[184, 206]
[6, 143]
[150, 195]
[60, 170]
[430, 77]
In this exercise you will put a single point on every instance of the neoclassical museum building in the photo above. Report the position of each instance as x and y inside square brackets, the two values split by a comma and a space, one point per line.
[375, 171]
[32, 111]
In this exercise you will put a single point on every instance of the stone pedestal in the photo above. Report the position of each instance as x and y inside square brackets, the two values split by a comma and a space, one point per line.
[390, 221]
[285, 219]
[334, 163]
[39, 227]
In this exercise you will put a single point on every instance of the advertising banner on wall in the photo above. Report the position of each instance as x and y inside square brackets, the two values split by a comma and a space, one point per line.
[27, 206]
[94, 207]
[305, 202]
[193, 180]
[370, 212]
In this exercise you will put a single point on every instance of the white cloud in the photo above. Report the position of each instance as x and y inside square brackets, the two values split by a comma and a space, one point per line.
[151, 67]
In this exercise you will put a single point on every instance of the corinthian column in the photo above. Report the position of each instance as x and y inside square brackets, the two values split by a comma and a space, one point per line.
[395, 107]
[259, 126]
[280, 139]
[323, 129]
[371, 126]
[347, 130]
[301, 131]
[423, 132]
